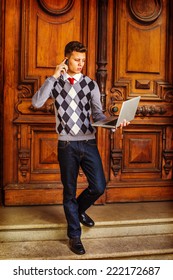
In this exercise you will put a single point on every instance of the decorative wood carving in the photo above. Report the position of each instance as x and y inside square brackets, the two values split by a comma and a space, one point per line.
[150, 110]
[48, 151]
[141, 110]
[102, 50]
[168, 96]
[168, 156]
[44, 162]
[24, 91]
[142, 84]
[56, 8]
[142, 151]
[164, 90]
[116, 160]
[145, 12]
[24, 157]
[46, 108]
[117, 94]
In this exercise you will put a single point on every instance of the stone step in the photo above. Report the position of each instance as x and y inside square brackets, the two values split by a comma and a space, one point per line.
[142, 247]
[122, 231]
[100, 230]
[119, 220]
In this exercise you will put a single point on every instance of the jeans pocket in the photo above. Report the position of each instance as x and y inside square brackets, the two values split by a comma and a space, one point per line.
[62, 145]
[91, 142]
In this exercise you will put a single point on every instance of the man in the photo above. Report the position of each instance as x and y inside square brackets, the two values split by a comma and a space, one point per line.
[76, 98]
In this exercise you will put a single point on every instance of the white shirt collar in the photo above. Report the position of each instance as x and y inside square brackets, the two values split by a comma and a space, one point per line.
[76, 76]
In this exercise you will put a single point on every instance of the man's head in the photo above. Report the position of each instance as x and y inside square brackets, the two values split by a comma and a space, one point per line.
[75, 52]
[74, 46]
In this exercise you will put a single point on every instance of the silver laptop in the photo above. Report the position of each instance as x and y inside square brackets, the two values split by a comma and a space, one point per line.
[127, 112]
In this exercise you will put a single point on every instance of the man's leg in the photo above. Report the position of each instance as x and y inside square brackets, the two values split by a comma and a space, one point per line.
[93, 169]
[69, 166]
[68, 157]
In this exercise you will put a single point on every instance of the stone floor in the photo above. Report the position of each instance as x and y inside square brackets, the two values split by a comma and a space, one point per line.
[122, 231]
[31, 215]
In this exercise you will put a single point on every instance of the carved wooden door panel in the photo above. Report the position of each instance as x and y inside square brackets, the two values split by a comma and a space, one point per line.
[132, 53]
[34, 46]
[142, 154]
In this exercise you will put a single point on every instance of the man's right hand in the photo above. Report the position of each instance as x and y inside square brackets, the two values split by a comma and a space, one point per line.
[60, 69]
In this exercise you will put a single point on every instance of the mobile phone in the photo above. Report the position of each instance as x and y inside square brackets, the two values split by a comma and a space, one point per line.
[66, 62]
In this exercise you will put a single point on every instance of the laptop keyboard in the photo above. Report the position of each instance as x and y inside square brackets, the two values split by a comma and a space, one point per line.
[113, 123]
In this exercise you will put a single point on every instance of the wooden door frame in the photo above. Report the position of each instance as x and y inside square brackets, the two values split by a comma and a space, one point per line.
[1, 96]
[102, 61]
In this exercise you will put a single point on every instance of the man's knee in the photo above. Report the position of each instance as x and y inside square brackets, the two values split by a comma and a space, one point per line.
[99, 190]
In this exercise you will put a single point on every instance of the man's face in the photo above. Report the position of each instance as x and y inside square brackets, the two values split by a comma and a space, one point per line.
[76, 63]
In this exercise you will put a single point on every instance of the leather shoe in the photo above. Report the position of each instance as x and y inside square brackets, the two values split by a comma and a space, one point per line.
[86, 220]
[76, 246]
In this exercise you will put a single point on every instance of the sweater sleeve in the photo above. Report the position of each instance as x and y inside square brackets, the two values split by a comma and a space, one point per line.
[40, 97]
[96, 106]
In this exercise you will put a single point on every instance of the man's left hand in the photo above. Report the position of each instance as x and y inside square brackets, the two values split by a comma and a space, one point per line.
[124, 123]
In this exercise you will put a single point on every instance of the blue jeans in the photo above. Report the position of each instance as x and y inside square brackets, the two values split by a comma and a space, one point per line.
[73, 155]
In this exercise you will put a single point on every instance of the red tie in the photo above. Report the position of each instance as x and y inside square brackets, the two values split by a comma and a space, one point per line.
[71, 80]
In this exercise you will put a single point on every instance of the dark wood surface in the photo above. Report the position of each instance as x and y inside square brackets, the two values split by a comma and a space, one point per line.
[130, 53]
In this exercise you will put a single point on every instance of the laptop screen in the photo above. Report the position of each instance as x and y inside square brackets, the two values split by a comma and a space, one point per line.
[127, 112]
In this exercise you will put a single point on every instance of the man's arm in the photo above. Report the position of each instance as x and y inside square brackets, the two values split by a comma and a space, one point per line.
[43, 93]
[96, 106]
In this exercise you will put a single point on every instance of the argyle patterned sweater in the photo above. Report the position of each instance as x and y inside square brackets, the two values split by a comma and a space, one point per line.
[74, 106]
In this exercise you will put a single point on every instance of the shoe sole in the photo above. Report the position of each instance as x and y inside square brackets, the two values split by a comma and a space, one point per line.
[76, 252]
[87, 225]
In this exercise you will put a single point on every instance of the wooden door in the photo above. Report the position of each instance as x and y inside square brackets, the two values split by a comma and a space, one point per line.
[130, 52]
[34, 45]
[141, 63]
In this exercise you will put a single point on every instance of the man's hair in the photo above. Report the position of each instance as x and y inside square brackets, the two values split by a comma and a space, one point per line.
[74, 46]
